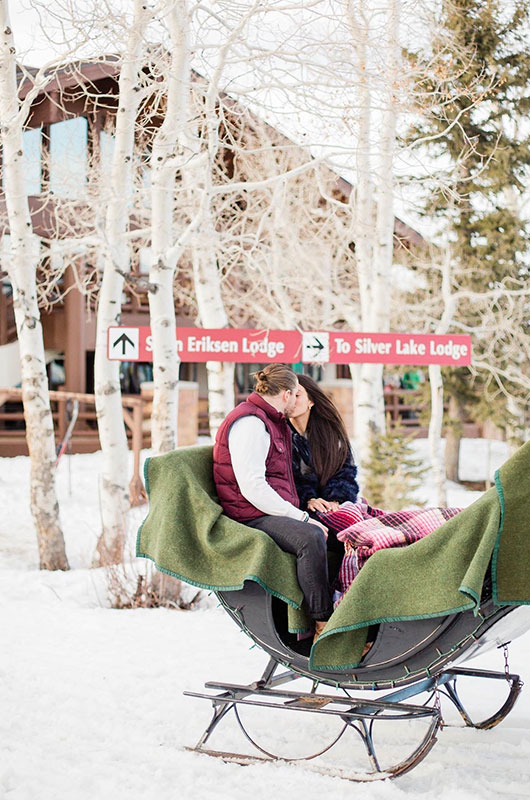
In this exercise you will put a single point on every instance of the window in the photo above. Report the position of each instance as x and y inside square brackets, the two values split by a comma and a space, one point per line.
[32, 160]
[31, 143]
[68, 157]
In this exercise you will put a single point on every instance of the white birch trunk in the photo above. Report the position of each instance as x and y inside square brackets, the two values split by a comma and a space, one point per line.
[362, 228]
[373, 222]
[384, 228]
[435, 433]
[383, 246]
[362, 196]
[212, 314]
[168, 144]
[221, 396]
[207, 281]
[112, 435]
[221, 393]
[21, 268]
[437, 394]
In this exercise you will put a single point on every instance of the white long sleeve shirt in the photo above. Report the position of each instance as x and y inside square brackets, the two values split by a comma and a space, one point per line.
[248, 444]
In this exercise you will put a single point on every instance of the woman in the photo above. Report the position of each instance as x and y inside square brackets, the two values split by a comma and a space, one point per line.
[323, 466]
[325, 480]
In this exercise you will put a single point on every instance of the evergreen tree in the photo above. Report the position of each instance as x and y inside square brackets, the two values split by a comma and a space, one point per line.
[393, 472]
[483, 95]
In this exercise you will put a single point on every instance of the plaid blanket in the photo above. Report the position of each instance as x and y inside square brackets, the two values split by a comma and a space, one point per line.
[365, 529]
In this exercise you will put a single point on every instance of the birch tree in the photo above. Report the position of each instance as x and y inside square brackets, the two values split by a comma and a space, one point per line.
[21, 269]
[170, 152]
[116, 265]
[436, 385]
[207, 281]
[283, 252]
[205, 252]
[372, 198]
[193, 118]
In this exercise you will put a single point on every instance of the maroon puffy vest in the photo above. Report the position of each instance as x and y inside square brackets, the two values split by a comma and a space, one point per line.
[278, 467]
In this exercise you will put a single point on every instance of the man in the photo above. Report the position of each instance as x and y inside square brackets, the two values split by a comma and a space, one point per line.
[254, 480]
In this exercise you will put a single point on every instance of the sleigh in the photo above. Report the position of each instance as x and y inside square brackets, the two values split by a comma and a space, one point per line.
[419, 659]
[378, 714]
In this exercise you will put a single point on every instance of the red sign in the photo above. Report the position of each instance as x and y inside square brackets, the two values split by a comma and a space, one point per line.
[291, 347]
[399, 348]
[203, 344]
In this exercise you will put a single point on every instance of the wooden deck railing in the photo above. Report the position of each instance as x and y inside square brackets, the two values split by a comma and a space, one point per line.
[85, 432]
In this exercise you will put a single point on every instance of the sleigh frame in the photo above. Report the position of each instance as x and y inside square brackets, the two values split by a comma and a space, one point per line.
[418, 660]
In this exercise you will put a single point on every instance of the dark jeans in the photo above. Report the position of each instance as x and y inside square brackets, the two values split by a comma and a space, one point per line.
[307, 542]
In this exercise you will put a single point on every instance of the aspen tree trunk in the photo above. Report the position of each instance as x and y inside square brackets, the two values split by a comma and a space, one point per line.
[212, 314]
[21, 269]
[373, 219]
[437, 393]
[169, 145]
[383, 250]
[362, 228]
[453, 438]
[197, 178]
[435, 432]
[279, 235]
[207, 280]
[112, 435]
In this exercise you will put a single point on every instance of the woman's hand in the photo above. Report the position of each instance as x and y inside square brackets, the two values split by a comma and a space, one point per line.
[318, 504]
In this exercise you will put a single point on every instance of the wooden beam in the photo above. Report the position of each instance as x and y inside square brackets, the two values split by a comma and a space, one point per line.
[75, 334]
[3, 317]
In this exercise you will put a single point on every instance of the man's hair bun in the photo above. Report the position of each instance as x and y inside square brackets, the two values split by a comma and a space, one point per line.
[274, 379]
[262, 381]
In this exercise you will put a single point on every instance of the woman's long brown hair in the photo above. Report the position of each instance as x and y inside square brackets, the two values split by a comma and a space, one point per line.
[326, 434]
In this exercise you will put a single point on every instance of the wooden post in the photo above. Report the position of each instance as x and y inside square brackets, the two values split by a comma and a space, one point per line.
[61, 417]
[3, 315]
[137, 493]
[75, 339]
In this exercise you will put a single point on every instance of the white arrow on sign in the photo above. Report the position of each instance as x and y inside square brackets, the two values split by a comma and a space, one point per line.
[124, 344]
[315, 347]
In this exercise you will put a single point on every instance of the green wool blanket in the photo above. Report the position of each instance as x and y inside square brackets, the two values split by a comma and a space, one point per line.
[187, 535]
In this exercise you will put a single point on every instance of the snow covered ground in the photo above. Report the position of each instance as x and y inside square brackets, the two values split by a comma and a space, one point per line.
[91, 698]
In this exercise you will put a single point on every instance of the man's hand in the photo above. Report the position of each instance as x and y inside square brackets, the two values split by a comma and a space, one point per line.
[319, 504]
[318, 524]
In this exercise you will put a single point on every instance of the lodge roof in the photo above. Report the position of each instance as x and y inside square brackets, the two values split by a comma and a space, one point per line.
[99, 76]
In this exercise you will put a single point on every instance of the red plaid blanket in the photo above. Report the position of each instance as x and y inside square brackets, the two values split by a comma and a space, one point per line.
[364, 530]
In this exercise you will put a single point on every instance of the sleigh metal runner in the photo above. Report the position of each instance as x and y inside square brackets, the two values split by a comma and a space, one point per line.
[407, 660]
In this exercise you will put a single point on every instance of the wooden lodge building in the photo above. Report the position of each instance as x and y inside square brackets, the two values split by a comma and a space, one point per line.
[71, 117]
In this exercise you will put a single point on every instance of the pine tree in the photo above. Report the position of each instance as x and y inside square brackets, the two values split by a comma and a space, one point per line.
[488, 60]
[393, 472]
[483, 95]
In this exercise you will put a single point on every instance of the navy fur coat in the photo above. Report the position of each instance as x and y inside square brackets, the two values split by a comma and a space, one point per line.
[341, 487]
